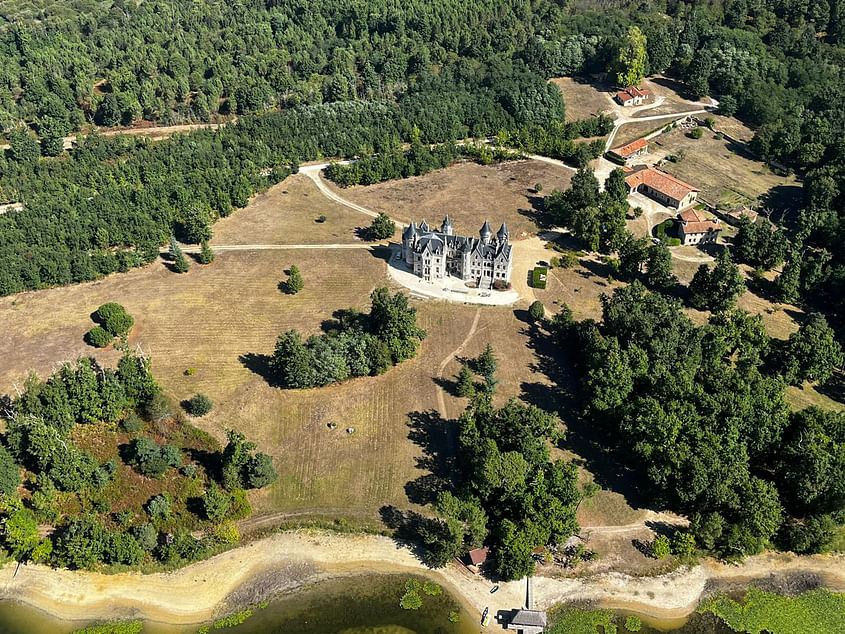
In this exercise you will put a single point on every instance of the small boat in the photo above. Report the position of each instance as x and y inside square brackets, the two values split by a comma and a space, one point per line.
[494, 588]
[485, 617]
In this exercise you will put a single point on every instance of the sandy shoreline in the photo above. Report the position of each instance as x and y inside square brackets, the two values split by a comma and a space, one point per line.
[285, 561]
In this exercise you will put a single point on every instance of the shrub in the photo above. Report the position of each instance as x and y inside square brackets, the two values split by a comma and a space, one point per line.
[538, 187]
[150, 459]
[674, 242]
[432, 589]
[114, 318]
[159, 506]
[189, 470]
[216, 503]
[320, 219]
[537, 311]
[660, 547]
[633, 623]
[199, 405]
[131, 423]
[696, 133]
[99, 337]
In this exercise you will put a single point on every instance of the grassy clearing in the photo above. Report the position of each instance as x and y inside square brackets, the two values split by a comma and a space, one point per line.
[726, 174]
[288, 213]
[469, 193]
[583, 98]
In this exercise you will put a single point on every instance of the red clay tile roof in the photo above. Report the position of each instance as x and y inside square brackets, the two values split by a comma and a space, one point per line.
[624, 96]
[478, 556]
[634, 146]
[693, 221]
[637, 92]
[659, 181]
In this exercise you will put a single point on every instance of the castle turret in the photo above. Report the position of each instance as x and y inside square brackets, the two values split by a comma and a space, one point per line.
[446, 227]
[486, 233]
[409, 239]
[424, 227]
[502, 234]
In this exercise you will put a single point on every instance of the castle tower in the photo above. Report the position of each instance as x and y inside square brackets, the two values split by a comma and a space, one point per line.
[502, 234]
[486, 233]
[409, 239]
[446, 227]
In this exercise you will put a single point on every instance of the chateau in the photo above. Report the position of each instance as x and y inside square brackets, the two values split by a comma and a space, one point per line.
[433, 254]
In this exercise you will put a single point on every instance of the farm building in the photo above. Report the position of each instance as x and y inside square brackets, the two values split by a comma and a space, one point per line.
[734, 215]
[631, 150]
[696, 228]
[662, 187]
[632, 96]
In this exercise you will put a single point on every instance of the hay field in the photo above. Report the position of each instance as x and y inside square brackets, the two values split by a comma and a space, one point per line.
[469, 193]
[584, 98]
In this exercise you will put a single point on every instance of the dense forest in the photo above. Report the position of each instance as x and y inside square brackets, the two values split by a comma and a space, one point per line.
[699, 415]
[356, 78]
[116, 472]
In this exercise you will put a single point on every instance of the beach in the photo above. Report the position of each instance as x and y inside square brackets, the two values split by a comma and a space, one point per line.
[284, 561]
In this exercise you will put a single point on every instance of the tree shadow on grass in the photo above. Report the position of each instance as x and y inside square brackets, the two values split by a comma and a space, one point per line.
[595, 444]
[834, 388]
[435, 436]
[208, 460]
[260, 364]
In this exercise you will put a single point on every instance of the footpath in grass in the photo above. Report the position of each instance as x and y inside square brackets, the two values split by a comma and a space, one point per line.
[818, 611]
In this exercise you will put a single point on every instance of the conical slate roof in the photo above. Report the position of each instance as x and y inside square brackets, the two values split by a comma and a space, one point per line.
[424, 227]
[410, 231]
[503, 231]
[486, 230]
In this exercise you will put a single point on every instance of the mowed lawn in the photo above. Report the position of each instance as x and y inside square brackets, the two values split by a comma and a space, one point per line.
[291, 212]
[469, 193]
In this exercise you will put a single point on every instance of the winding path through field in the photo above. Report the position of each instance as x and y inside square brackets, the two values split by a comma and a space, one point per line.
[441, 400]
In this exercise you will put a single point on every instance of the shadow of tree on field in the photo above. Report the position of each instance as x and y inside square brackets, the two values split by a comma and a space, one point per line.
[594, 443]
[435, 436]
[260, 364]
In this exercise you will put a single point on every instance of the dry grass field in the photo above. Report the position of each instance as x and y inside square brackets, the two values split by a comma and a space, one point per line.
[726, 174]
[633, 131]
[287, 213]
[584, 98]
[469, 193]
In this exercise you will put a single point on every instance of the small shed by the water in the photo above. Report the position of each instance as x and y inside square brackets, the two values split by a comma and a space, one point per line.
[528, 621]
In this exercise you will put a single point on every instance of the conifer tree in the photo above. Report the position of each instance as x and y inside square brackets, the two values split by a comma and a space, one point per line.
[294, 283]
[206, 253]
[180, 262]
[466, 383]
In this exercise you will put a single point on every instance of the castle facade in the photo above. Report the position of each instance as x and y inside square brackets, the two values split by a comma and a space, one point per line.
[433, 254]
